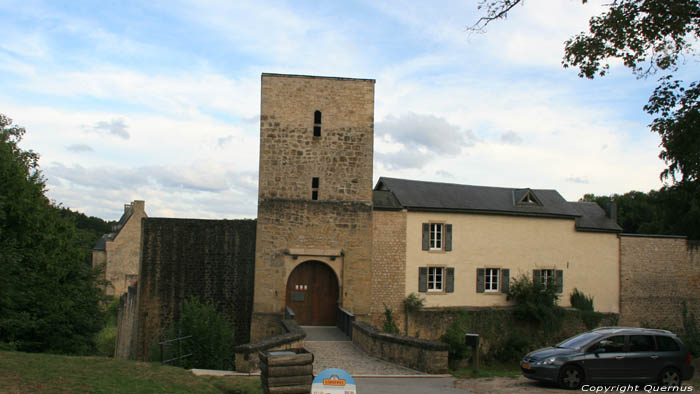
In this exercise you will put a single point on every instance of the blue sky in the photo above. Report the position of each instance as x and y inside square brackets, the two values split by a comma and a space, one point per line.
[159, 101]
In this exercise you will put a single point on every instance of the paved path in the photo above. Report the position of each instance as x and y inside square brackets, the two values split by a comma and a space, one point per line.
[332, 349]
[408, 386]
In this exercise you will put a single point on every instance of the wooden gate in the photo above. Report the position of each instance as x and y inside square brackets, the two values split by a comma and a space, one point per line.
[312, 293]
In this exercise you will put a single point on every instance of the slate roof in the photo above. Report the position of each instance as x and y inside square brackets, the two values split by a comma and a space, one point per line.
[593, 218]
[102, 242]
[450, 197]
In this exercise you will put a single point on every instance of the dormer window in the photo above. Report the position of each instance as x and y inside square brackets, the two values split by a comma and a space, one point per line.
[525, 197]
[317, 123]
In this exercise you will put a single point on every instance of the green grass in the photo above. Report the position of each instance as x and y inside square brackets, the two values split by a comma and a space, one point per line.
[489, 371]
[47, 373]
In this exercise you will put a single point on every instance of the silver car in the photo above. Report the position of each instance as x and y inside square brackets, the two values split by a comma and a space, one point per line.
[612, 355]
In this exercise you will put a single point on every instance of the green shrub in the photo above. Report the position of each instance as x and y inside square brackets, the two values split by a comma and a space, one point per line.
[454, 337]
[691, 332]
[106, 341]
[211, 344]
[536, 302]
[390, 326]
[413, 302]
[513, 348]
[581, 301]
[112, 312]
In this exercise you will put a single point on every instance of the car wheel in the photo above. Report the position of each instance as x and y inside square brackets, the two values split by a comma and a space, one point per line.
[571, 377]
[669, 377]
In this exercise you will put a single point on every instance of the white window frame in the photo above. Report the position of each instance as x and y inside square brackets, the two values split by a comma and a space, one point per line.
[437, 236]
[436, 279]
[546, 275]
[492, 280]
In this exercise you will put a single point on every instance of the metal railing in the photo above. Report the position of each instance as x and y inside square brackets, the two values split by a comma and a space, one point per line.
[169, 343]
[344, 321]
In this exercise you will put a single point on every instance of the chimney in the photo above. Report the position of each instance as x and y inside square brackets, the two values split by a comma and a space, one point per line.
[127, 207]
[139, 206]
[611, 210]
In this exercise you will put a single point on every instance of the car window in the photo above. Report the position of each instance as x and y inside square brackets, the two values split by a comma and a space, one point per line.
[642, 343]
[667, 344]
[579, 340]
[613, 344]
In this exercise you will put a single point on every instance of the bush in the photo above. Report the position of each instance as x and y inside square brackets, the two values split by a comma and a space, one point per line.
[581, 301]
[106, 341]
[691, 332]
[536, 302]
[513, 348]
[211, 344]
[390, 326]
[454, 337]
[413, 302]
[112, 312]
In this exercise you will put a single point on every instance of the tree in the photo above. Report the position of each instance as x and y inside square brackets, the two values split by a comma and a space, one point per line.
[48, 300]
[649, 36]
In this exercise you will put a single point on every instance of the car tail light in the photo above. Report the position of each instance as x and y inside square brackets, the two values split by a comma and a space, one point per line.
[688, 359]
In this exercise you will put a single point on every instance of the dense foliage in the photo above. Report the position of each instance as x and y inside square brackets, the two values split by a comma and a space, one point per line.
[211, 344]
[672, 210]
[48, 298]
[536, 301]
[390, 325]
[649, 36]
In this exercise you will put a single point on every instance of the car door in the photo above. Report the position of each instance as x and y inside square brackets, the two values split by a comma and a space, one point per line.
[641, 358]
[605, 360]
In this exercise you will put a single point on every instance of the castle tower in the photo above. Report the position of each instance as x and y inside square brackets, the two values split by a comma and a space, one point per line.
[314, 231]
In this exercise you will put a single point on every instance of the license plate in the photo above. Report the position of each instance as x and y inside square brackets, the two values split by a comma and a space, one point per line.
[526, 366]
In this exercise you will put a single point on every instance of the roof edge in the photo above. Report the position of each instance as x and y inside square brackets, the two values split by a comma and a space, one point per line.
[316, 76]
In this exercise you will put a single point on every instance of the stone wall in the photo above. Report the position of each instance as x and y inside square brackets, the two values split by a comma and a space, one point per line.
[319, 225]
[182, 258]
[657, 274]
[388, 265]
[314, 191]
[420, 354]
[125, 347]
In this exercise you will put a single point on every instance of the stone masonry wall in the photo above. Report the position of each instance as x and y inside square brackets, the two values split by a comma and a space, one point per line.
[210, 259]
[125, 347]
[123, 253]
[656, 275]
[388, 265]
[291, 156]
[315, 224]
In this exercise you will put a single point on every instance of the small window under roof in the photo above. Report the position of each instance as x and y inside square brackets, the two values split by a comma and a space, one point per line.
[525, 197]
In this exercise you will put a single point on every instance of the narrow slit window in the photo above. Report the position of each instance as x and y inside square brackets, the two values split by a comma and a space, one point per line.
[314, 188]
[317, 124]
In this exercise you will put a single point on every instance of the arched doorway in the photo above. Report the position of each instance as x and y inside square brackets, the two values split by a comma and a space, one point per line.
[312, 294]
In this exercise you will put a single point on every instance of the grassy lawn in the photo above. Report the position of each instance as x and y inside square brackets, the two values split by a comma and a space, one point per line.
[46, 373]
[489, 371]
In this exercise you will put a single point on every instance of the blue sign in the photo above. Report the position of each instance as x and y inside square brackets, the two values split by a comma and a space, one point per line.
[333, 381]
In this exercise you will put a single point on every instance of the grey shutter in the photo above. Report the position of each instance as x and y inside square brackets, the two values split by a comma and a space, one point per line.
[422, 279]
[480, 280]
[559, 277]
[450, 285]
[536, 278]
[505, 278]
[448, 237]
[426, 236]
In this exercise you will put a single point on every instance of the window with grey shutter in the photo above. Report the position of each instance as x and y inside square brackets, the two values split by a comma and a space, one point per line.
[559, 277]
[448, 237]
[426, 236]
[505, 277]
[536, 278]
[422, 279]
[479, 280]
[450, 285]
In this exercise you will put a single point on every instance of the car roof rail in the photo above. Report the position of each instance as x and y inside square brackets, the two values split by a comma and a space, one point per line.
[659, 330]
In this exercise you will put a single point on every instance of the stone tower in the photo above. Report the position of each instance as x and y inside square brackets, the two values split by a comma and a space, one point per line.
[314, 230]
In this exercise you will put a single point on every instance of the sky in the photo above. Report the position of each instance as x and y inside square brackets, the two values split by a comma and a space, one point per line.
[160, 100]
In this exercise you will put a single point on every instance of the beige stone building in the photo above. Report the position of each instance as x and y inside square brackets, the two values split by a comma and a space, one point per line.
[328, 243]
[464, 244]
[119, 251]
